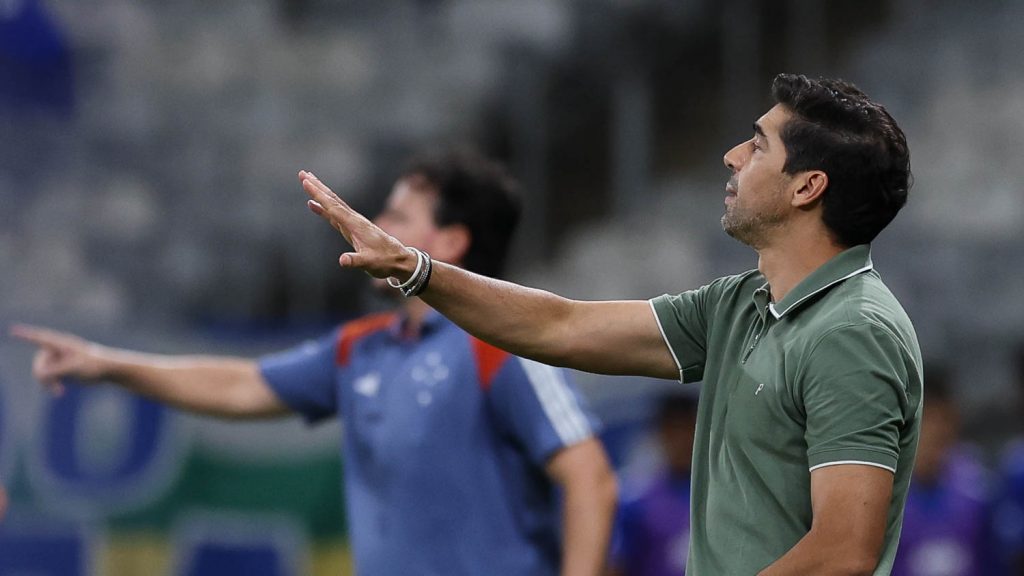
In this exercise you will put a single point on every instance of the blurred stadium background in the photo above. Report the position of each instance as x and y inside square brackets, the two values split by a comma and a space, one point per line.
[147, 159]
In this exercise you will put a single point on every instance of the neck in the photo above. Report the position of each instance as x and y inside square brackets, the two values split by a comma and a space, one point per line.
[415, 311]
[786, 262]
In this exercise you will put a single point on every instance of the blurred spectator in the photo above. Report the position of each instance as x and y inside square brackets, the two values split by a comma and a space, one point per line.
[3, 503]
[946, 525]
[1010, 513]
[35, 59]
[652, 535]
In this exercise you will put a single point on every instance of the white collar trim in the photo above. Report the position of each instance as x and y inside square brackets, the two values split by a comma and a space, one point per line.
[778, 315]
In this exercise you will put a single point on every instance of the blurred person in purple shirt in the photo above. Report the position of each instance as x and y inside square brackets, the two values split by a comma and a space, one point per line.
[948, 517]
[652, 532]
[1009, 517]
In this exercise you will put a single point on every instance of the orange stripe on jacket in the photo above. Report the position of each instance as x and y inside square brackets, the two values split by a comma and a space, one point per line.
[358, 329]
[489, 360]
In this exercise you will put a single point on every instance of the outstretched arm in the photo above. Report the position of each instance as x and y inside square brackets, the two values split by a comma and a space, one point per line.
[218, 386]
[619, 337]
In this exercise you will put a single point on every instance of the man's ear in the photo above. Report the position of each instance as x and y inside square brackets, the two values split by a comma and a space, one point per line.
[452, 243]
[810, 187]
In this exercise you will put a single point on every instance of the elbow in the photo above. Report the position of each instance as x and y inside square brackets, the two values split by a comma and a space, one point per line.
[606, 489]
[599, 486]
[863, 566]
[863, 559]
[612, 487]
[842, 553]
[850, 560]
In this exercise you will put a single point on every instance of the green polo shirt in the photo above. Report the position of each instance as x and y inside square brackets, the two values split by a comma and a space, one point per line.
[830, 375]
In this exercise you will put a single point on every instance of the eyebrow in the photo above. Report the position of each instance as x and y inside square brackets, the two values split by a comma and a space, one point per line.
[760, 131]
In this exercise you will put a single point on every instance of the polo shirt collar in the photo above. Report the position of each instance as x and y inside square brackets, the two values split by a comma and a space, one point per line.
[432, 320]
[846, 264]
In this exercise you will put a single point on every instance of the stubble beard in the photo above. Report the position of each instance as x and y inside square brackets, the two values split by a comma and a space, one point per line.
[751, 228]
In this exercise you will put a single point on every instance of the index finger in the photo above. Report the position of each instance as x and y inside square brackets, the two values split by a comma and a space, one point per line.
[324, 196]
[37, 335]
[326, 204]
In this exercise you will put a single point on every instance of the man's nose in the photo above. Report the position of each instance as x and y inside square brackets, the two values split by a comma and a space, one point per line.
[733, 158]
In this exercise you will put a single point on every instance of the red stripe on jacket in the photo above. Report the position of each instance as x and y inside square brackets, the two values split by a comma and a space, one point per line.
[356, 330]
[489, 360]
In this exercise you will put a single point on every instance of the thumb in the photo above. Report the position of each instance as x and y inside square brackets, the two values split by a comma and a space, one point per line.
[352, 260]
[360, 262]
[55, 386]
[52, 366]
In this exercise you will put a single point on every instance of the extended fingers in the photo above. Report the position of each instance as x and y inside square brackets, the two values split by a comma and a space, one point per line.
[325, 203]
[320, 193]
[39, 336]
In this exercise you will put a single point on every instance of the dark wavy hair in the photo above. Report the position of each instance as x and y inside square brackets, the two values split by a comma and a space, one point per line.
[837, 129]
[477, 193]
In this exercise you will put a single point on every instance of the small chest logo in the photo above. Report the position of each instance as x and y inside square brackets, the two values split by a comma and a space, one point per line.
[759, 388]
[431, 371]
[368, 384]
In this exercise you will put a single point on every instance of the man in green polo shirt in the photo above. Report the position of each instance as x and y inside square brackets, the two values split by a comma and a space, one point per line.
[810, 409]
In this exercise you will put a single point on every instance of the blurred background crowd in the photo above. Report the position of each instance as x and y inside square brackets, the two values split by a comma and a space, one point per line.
[148, 153]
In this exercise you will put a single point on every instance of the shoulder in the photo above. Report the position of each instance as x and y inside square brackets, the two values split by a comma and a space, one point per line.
[352, 332]
[861, 345]
[746, 282]
[727, 290]
[743, 284]
[861, 309]
[865, 299]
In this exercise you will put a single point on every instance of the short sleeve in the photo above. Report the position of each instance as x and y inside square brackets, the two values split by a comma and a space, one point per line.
[304, 377]
[854, 395]
[683, 320]
[538, 406]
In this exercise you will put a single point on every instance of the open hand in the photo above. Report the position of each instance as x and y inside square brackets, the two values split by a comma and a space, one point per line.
[60, 355]
[376, 252]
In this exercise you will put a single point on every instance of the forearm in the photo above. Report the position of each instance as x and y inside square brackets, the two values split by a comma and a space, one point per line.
[524, 321]
[589, 509]
[218, 386]
[609, 337]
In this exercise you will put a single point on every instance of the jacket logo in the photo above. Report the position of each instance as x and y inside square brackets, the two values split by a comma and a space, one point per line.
[367, 384]
[759, 388]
